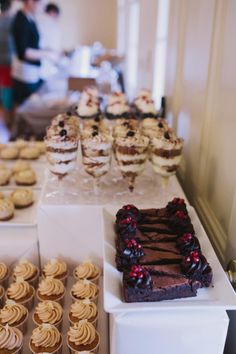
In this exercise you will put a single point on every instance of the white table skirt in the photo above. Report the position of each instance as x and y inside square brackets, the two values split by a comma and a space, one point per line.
[169, 332]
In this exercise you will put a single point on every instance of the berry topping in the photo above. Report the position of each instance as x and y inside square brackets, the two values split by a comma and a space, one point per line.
[187, 243]
[139, 277]
[130, 133]
[160, 125]
[97, 119]
[167, 135]
[187, 237]
[63, 132]
[94, 133]
[61, 124]
[95, 127]
[197, 268]
[181, 214]
[178, 201]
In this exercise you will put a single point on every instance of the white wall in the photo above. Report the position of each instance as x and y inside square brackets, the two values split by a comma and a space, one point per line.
[86, 21]
[201, 86]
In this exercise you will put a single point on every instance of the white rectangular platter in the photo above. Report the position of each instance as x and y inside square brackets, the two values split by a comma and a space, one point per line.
[219, 295]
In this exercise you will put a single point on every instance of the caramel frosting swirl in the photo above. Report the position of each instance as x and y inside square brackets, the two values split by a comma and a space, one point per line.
[3, 270]
[87, 270]
[45, 336]
[49, 312]
[84, 289]
[51, 286]
[82, 333]
[10, 338]
[84, 310]
[25, 270]
[18, 290]
[55, 268]
[12, 313]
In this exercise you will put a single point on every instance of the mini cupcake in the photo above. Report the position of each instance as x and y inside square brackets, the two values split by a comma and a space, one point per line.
[83, 337]
[84, 289]
[51, 289]
[30, 153]
[83, 310]
[11, 340]
[46, 339]
[20, 166]
[27, 271]
[20, 144]
[9, 153]
[4, 275]
[87, 270]
[5, 176]
[57, 269]
[48, 312]
[22, 293]
[2, 293]
[15, 315]
[25, 178]
[22, 198]
[7, 209]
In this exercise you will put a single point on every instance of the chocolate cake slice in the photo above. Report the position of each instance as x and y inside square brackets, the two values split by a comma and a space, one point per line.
[139, 286]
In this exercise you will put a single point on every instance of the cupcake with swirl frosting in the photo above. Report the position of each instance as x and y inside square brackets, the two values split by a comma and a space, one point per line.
[15, 315]
[11, 340]
[83, 310]
[4, 275]
[28, 271]
[87, 270]
[84, 289]
[57, 269]
[51, 289]
[48, 312]
[2, 293]
[22, 293]
[45, 339]
[83, 337]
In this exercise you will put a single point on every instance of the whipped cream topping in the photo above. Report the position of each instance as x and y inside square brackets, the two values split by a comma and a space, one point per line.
[55, 268]
[12, 313]
[116, 97]
[83, 310]
[51, 286]
[144, 93]
[167, 141]
[87, 270]
[97, 142]
[10, 338]
[117, 108]
[49, 312]
[136, 140]
[3, 270]
[18, 290]
[25, 270]
[46, 336]
[84, 289]
[145, 105]
[88, 108]
[82, 333]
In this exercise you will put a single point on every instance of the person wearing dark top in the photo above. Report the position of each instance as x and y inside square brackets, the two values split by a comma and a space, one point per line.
[26, 65]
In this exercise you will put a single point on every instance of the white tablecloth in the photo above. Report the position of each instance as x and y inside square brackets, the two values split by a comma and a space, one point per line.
[169, 332]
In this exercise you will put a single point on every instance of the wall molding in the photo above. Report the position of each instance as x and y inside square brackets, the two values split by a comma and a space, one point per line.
[216, 233]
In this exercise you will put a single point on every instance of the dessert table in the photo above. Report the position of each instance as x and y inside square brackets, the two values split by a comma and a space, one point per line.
[73, 222]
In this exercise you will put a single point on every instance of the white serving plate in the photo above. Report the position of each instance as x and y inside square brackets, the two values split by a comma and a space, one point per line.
[23, 217]
[219, 295]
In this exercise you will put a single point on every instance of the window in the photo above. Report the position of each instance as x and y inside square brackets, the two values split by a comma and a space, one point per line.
[132, 48]
[160, 50]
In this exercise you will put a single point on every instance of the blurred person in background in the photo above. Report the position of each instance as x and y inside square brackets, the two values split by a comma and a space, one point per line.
[26, 64]
[50, 38]
[6, 52]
